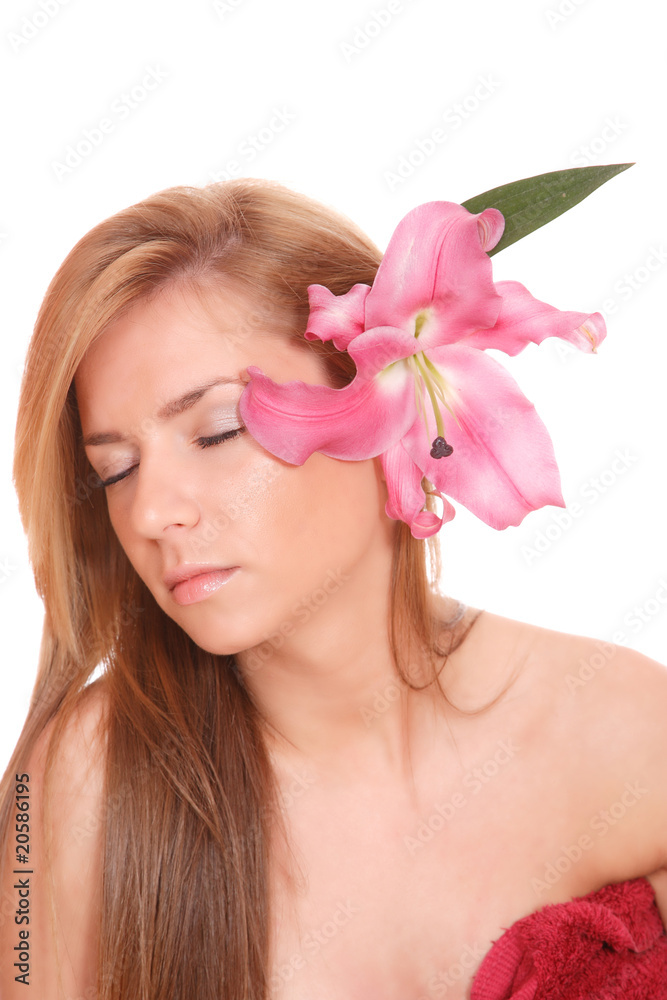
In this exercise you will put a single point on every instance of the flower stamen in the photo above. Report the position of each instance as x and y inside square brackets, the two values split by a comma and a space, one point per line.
[430, 379]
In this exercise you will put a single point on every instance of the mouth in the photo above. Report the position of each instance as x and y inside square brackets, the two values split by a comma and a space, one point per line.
[196, 583]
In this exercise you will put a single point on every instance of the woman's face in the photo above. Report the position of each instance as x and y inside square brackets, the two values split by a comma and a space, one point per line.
[185, 500]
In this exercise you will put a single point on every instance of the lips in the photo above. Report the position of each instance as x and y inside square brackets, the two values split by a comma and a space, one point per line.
[197, 583]
[187, 570]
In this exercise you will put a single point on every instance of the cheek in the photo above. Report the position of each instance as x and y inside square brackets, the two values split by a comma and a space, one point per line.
[325, 509]
[245, 501]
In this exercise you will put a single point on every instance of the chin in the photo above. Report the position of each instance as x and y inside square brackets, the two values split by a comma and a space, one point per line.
[219, 641]
[226, 632]
[214, 643]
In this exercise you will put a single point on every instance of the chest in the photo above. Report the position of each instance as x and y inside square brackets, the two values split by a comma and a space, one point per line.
[400, 896]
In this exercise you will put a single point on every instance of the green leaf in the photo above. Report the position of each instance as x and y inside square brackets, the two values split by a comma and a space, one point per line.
[532, 202]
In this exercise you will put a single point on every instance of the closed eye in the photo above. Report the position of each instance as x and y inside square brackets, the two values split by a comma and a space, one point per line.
[206, 442]
[203, 442]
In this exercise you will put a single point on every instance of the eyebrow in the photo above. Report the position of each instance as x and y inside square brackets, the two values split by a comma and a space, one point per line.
[170, 409]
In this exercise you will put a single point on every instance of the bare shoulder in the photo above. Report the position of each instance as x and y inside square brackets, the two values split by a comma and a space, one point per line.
[63, 889]
[580, 686]
[590, 717]
[576, 675]
[75, 776]
[614, 692]
[594, 711]
[612, 705]
[608, 704]
[81, 740]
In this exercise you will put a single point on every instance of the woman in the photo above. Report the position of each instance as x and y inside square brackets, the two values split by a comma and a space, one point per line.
[302, 772]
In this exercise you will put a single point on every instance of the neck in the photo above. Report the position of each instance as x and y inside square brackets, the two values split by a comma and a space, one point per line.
[330, 692]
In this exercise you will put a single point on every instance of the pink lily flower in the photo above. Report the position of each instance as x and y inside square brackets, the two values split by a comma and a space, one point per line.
[445, 417]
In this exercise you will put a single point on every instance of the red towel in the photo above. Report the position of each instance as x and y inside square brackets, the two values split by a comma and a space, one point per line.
[608, 945]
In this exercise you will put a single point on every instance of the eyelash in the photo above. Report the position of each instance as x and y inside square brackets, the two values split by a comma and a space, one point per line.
[203, 442]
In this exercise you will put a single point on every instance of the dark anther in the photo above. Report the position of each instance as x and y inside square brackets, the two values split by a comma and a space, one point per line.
[440, 448]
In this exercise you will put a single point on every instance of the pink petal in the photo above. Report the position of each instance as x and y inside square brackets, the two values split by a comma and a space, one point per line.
[435, 263]
[524, 319]
[361, 420]
[336, 317]
[377, 349]
[406, 496]
[503, 463]
[491, 226]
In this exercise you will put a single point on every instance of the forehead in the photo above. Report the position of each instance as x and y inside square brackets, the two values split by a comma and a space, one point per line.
[182, 336]
[178, 316]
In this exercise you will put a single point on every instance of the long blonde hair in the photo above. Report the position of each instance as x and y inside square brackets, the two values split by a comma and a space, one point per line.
[189, 916]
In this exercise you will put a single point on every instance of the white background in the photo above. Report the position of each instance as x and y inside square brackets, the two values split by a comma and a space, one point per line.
[540, 86]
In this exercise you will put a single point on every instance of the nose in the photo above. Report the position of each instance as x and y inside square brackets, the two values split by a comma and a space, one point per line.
[162, 498]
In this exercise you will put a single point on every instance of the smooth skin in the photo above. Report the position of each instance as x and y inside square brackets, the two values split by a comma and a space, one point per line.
[418, 833]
